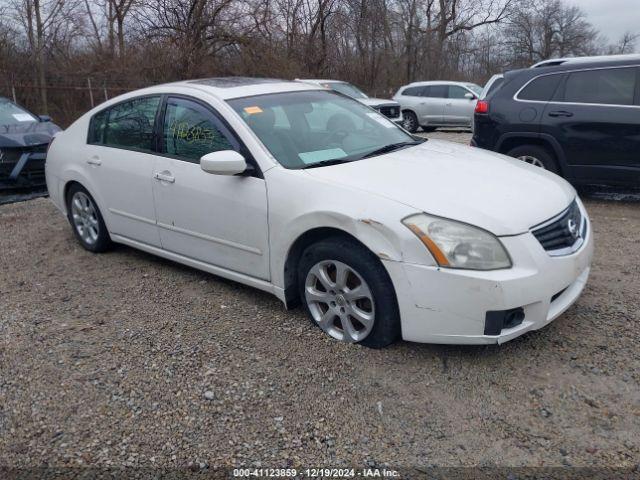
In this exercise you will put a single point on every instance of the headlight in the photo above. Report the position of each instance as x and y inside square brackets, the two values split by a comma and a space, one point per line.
[458, 245]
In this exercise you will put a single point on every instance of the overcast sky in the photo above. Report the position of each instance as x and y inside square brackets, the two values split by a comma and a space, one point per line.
[612, 17]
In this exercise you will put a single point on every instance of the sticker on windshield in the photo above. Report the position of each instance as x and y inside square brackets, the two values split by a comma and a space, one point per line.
[253, 110]
[23, 117]
[310, 158]
[381, 120]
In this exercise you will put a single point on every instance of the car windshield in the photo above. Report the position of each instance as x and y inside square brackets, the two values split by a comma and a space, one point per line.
[346, 89]
[319, 127]
[10, 113]
[477, 89]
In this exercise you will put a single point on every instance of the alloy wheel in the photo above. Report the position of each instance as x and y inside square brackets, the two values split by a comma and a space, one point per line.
[340, 301]
[85, 218]
[409, 123]
[531, 160]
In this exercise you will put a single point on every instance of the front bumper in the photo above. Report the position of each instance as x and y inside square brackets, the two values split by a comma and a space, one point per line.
[22, 168]
[439, 305]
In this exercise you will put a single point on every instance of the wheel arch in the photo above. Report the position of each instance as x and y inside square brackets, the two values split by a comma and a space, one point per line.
[366, 233]
[509, 141]
[73, 177]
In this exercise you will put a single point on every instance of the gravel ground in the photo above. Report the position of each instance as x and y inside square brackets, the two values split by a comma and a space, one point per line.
[124, 359]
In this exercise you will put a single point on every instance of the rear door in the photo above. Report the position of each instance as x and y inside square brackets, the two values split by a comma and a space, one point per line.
[596, 119]
[120, 155]
[459, 109]
[435, 96]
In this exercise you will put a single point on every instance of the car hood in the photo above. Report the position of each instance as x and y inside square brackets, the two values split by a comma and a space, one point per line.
[27, 134]
[500, 194]
[376, 102]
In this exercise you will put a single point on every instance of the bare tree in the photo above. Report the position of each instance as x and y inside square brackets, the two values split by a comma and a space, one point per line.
[40, 20]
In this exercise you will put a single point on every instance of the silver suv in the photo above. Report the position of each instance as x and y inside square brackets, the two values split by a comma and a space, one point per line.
[388, 108]
[437, 104]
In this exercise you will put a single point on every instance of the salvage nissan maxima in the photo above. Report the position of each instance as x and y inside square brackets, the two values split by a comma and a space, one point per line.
[314, 197]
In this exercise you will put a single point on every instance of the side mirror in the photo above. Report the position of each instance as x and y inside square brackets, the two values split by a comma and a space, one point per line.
[470, 96]
[224, 162]
[44, 118]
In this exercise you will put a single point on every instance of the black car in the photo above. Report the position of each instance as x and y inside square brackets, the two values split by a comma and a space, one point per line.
[24, 138]
[579, 118]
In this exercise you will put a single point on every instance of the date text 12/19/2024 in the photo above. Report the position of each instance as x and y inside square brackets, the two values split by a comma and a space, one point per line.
[315, 473]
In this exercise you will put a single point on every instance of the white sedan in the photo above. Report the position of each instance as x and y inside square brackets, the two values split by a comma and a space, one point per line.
[314, 197]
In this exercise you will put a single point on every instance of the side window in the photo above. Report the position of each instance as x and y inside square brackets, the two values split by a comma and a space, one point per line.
[611, 86]
[190, 131]
[457, 92]
[438, 91]
[541, 89]
[126, 125]
[97, 127]
[413, 92]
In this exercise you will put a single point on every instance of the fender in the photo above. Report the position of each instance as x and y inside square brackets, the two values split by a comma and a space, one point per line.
[379, 239]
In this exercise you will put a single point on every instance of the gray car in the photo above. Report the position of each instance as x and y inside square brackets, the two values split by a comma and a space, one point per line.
[437, 104]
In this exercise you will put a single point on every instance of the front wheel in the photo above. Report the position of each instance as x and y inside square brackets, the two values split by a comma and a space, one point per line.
[86, 220]
[348, 293]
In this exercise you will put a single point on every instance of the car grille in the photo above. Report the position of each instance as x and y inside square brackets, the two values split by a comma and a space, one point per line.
[391, 111]
[564, 233]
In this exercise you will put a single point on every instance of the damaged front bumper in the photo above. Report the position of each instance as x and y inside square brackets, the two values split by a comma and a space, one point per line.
[22, 167]
[439, 305]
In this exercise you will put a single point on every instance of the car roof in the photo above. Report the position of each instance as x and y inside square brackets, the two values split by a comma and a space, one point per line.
[584, 63]
[554, 62]
[437, 82]
[235, 87]
[319, 81]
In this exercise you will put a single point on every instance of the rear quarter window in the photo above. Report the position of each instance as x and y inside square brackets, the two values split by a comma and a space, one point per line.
[541, 89]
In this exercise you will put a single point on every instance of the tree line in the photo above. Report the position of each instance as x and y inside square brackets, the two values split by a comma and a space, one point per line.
[61, 56]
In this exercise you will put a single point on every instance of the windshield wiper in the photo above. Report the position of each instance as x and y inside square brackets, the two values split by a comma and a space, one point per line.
[391, 147]
[326, 163]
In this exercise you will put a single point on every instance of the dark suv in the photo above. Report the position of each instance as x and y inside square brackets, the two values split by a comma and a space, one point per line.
[579, 118]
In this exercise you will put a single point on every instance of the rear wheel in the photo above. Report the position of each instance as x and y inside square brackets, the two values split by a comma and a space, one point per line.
[410, 121]
[86, 220]
[348, 293]
[535, 155]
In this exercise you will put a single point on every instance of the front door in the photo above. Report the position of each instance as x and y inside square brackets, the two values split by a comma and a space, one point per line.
[217, 219]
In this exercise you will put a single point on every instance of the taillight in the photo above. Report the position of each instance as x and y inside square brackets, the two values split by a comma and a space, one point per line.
[482, 106]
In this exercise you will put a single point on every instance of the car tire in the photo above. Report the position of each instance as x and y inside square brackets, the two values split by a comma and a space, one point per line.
[86, 220]
[331, 302]
[535, 155]
[410, 121]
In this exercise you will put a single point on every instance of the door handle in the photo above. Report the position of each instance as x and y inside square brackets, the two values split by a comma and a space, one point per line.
[561, 113]
[165, 177]
[94, 161]
[449, 104]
